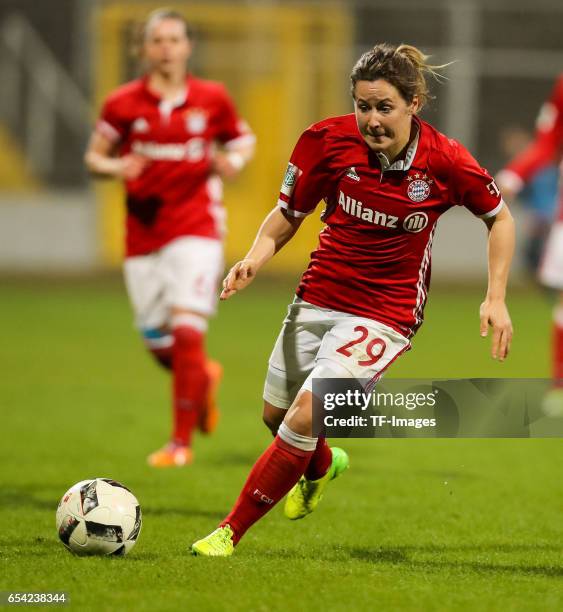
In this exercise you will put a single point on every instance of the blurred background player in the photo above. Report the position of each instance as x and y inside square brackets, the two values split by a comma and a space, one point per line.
[386, 177]
[170, 137]
[538, 197]
[545, 149]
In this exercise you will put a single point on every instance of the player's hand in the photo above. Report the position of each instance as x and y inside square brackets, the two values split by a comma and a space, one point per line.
[131, 166]
[224, 166]
[239, 277]
[494, 313]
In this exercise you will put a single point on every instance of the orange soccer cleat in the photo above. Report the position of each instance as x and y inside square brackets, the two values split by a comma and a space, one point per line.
[209, 416]
[171, 455]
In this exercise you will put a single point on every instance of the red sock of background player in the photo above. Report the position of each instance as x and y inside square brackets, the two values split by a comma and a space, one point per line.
[558, 347]
[190, 379]
[273, 475]
[320, 461]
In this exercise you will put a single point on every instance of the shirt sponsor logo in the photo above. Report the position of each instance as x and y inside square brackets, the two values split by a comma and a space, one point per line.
[192, 150]
[415, 222]
[356, 208]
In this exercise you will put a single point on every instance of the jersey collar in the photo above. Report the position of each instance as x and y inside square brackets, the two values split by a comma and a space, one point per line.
[167, 106]
[401, 164]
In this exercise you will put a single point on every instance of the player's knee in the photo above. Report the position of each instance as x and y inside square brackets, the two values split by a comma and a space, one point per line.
[182, 320]
[301, 442]
[272, 417]
[300, 415]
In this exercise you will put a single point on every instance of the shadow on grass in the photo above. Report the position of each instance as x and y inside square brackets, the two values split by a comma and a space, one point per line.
[22, 498]
[233, 459]
[184, 512]
[401, 555]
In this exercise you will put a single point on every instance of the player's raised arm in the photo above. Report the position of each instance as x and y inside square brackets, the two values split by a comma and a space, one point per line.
[493, 311]
[276, 231]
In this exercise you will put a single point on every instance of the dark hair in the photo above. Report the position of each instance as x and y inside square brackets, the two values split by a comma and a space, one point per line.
[403, 66]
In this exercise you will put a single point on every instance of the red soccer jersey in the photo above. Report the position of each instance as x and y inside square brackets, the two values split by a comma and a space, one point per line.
[373, 257]
[546, 147]
[177, 194]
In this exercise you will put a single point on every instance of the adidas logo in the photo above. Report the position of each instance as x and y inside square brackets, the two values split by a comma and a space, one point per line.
[140, 125]
[352, 174]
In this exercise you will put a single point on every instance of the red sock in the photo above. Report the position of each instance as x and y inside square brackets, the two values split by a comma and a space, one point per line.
[190, 381]
[557, 354]
[272, 476]
[320, 461]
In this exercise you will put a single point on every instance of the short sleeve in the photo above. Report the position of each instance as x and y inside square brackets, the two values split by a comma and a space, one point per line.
[472, 186]
[111, 123]
[307, 179]
[232, 130]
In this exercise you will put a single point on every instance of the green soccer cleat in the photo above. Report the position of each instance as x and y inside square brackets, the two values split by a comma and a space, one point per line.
[306, 494]
[216, 544]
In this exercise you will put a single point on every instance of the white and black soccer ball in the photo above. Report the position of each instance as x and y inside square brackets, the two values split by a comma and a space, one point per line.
[99, 517]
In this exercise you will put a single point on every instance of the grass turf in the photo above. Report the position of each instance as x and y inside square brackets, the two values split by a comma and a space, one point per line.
[414, 524]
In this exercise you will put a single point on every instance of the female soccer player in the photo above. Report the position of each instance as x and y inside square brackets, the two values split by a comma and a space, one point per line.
[386, 177]
[170, 137]
[547, 147]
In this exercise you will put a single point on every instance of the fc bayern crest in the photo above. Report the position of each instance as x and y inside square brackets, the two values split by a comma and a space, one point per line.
[196, 121]
[418, 190]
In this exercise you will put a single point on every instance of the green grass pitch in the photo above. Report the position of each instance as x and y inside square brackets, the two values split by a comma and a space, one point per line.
[413, 525]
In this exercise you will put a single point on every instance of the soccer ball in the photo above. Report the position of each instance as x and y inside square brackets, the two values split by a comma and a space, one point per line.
[99, 517]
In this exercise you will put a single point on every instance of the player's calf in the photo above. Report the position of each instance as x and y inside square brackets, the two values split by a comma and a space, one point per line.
[160, 344]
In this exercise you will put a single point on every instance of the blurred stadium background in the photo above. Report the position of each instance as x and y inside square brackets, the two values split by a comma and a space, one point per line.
[286, 64]
[444, 524]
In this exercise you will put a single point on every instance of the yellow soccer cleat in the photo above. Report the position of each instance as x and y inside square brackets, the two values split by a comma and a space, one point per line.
[171, 455]
[306, 494]
[216, 544]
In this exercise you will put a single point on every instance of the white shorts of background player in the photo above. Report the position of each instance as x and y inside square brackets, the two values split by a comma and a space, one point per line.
[185, 274]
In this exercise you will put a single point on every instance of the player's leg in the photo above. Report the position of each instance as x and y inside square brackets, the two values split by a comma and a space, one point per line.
[273, 416]
[553, 400]
[284, 461]
[551, 275]
[191, 268]
[145, 289]
[275, 472]
[319, 464]
[290, 363]
[160, 343]
[557, 341]
[366, 360]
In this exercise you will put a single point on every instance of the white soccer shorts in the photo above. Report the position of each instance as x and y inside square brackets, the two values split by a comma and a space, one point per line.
[551, 267]
[317, 342]
[185, 273]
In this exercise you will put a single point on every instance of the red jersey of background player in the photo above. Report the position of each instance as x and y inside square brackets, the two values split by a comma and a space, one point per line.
[373, 258]
[177, 194]
[546, 147]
